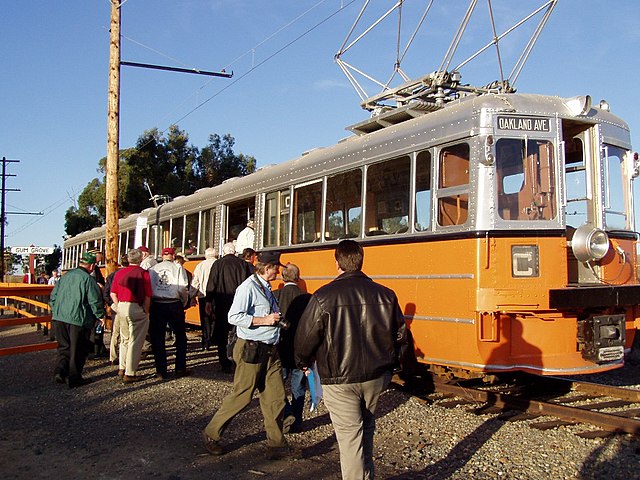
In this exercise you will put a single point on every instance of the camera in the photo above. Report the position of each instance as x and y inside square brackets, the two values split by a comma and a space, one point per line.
[283, 323]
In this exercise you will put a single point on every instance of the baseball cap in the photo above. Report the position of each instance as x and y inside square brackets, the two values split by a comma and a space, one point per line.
[168, 251]
[270, 258]
[88, 257]
[144, 249]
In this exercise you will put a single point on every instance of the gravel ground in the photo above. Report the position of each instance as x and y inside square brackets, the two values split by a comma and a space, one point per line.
[108, 430]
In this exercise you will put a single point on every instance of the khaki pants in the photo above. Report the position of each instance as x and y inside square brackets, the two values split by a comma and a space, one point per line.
[114, 345]
[351, 408]
[134, 323]
[266, 377]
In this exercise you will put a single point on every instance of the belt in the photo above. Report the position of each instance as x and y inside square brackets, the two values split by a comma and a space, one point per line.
[165, 300]
[268, 346]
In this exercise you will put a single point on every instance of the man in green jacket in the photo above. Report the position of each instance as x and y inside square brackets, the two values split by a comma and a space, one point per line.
[76, 302]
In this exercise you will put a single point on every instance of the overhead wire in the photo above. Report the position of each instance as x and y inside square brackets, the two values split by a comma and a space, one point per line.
[46, 211]
[254, 66]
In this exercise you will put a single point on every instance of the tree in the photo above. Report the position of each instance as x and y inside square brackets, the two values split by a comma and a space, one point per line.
[52, 261]
[169, 165]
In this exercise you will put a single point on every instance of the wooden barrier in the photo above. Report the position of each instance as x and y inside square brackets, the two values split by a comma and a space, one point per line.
[21, 294]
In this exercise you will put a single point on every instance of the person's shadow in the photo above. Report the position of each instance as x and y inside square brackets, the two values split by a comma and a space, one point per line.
[504, 346]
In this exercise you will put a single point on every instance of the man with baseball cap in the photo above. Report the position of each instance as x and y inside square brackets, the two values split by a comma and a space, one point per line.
[147, 260]
[256, 315]
[76, 302]
[170, 293]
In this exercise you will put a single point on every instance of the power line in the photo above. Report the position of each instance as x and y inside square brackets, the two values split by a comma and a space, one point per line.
[277, 52]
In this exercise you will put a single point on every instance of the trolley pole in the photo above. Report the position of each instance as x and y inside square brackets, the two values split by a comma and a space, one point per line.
[113, 141]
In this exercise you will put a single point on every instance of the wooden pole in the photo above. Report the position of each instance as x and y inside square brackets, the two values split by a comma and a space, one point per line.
[113, 141]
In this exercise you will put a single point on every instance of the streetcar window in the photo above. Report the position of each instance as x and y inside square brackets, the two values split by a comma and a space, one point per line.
[344, 205]
[307, 213]
[453, 179]
[191, 234]
[615, 191]
[387, 197]
[177, 233]
[576, 182]
[206, 231]
[525, 171]
[154, 236]
[423, 191]
[276, 219]
[131, 238]
[165, 235]
[122, 245]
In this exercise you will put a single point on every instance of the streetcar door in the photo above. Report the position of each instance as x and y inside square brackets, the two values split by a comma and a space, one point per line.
[237, 215]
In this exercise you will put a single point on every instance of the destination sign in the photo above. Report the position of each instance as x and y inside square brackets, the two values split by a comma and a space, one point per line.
[524, 124]
[32, 250]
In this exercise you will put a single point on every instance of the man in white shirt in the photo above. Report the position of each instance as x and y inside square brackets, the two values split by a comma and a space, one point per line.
[170, 294]
[245, 238]
[199, 282]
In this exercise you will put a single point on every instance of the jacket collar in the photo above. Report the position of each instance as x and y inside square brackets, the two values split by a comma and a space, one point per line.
[350, 275]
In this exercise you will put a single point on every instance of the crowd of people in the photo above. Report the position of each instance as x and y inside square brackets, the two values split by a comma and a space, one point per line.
[350, 332]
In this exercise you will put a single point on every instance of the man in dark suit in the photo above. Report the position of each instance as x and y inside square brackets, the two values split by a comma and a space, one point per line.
[292, 301]
[226, 274]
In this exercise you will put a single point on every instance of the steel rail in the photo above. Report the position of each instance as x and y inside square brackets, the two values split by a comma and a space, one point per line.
[607, 421]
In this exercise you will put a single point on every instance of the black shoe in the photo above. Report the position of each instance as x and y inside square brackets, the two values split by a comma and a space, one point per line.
[226, 369]
[280, 453]
[162, 376]
[184, 373]
[79, 382]
[212, 446]
[59, 378]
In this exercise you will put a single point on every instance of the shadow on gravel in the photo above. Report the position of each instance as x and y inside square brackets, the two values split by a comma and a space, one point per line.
[605, 464]
[459, 455]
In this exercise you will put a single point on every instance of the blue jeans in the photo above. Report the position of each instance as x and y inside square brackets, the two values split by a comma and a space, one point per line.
[298, 388]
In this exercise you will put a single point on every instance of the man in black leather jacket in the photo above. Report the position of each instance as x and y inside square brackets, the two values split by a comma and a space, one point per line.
[354, 329]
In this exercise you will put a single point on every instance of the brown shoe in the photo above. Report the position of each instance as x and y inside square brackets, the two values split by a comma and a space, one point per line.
[131, 378]
[212, 446]
[121, 373]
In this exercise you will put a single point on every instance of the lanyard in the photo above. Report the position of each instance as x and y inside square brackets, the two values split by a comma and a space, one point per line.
[273, 303]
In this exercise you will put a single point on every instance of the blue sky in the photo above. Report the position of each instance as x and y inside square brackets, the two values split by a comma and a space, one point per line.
[287, 94]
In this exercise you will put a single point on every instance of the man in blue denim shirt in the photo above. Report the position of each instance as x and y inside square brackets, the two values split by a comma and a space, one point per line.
[256, 315]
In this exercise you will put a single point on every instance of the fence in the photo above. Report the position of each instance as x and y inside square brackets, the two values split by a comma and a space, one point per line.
[29, 303]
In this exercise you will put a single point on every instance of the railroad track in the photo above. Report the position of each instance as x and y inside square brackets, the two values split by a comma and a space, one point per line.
[536, 399]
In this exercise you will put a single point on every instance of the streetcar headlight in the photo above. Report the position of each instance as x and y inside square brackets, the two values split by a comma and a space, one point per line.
[589, 244]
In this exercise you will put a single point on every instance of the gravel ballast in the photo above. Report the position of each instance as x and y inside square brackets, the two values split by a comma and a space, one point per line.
[152, 429]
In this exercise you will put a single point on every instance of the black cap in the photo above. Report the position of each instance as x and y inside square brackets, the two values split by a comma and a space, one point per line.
[270, 258]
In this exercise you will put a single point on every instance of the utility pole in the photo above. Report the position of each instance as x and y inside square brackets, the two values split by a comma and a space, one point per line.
[113, 131]
[3, 211]
[113, 141]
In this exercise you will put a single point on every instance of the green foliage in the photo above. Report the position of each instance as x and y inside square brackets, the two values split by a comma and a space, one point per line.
[52, 262]
[168, 165]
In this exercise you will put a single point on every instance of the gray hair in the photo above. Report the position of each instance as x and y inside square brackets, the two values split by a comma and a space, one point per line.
[291, 273]
[135, 256]
[210, 253]
[229, 248]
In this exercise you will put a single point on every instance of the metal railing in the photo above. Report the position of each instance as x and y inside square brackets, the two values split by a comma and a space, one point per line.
[30, 303]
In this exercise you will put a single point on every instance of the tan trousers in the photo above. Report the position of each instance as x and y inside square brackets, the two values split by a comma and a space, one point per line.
[266, 377]
[114, 345]
[134, 324]
[351, 408]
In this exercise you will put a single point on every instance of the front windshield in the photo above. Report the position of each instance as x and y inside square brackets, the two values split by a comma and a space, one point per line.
[525, 171]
